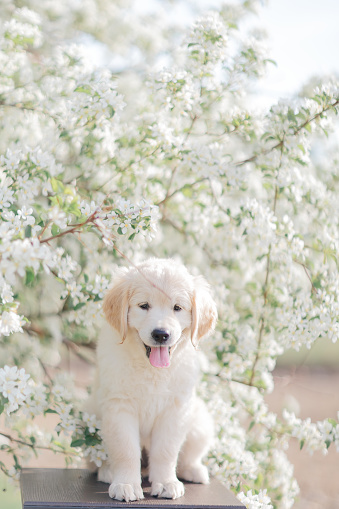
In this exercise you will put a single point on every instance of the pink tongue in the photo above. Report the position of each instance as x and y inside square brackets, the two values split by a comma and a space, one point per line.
[159, 357]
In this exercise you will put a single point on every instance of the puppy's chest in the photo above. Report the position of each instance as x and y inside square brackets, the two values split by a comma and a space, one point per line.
[155, 397]
[149, 409]
[159, 407]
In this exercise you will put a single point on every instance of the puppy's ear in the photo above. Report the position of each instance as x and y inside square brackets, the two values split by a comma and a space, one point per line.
[204, 311]
[115, 306]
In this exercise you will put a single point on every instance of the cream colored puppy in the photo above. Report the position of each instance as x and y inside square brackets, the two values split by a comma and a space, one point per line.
[147, 372]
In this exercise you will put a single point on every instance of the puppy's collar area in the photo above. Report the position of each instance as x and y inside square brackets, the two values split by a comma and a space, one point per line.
[159, 356]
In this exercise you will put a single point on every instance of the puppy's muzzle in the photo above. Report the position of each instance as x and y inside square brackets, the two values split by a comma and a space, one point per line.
[161, 335]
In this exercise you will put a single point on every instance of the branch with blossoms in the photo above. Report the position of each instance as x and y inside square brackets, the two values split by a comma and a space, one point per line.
[33, 446]
[76, 228]
[23, 257]
[74, 430]
[84, 429]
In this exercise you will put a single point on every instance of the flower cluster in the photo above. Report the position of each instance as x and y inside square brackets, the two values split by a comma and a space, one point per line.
[207, 42]
[311, 317]
[315, 436]
[24, 28]
[329, 430]
[258, 500]
[13, 387]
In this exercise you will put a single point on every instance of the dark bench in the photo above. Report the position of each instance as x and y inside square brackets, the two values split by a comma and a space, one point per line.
[52, 488]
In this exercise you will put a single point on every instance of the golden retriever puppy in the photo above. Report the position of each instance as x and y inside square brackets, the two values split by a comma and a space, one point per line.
[146, 376]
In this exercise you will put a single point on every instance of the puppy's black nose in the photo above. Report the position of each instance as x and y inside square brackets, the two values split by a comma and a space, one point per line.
[161, 335]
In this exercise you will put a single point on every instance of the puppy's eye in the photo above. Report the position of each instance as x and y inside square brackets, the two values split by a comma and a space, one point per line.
[144, 306]
[177, 308]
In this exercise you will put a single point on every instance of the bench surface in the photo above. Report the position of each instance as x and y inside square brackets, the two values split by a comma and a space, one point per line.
[53, 488]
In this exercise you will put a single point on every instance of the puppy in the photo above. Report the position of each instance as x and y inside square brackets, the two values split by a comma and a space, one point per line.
[148, 368]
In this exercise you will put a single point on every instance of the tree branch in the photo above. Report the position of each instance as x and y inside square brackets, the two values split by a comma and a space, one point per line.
[34, 446]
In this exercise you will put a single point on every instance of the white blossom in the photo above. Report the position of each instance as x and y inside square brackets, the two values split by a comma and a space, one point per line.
[91, 422]
[96, 453]
[256, 501]
[14, 387]
[58, 217]
[10, 322]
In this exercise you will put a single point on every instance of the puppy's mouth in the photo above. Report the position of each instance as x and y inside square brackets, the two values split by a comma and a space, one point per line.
[159, 356]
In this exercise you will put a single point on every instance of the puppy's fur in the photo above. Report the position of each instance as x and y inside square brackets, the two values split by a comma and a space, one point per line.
[145, 385]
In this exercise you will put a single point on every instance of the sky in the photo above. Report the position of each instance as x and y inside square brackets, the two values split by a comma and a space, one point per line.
[303, 36]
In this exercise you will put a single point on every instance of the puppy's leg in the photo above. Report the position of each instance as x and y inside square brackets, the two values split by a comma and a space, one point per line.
[120, 430]
[196, 445]
[167, 436]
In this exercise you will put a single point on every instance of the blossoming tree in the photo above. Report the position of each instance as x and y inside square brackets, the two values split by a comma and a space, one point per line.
[149, 146]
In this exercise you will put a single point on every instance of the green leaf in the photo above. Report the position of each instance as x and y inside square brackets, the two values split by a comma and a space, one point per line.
[57, 185]
[302, 443]
[92, 440]
[187, 192]
[54, 184]
[111, 111]
[68, 190]
[16, 461]
[2, 404]
[30, 276]
[270, 61]
[28, 231]
[85, 89]
[74, 208]
[58, 444]
[78, 442]
[79, 306]
[259, 479]
[55, 229]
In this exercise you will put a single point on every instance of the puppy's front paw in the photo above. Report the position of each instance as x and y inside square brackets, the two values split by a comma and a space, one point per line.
[195, 473]
[174, 489]
[127, 492]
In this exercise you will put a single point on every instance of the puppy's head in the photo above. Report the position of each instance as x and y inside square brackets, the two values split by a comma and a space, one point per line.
[160, 305]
